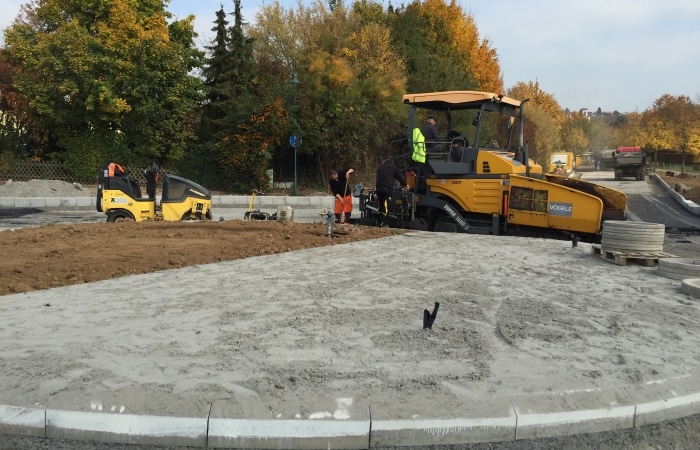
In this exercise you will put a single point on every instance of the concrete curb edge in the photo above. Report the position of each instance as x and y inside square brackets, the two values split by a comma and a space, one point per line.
[521, 417]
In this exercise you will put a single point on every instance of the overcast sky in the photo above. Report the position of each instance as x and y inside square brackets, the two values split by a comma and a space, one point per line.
[613, 54]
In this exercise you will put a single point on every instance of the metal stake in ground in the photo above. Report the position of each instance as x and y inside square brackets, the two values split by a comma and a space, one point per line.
[429, 318]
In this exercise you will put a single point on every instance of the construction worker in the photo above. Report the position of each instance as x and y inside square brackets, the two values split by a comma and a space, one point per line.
[459, 142]
[430, 133]
[418, 146]
[387, 175]
[152, 181]
[339, 185]
[114, 169]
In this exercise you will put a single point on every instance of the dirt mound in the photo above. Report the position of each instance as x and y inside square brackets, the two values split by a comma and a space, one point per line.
[60, 255]
[691, 181]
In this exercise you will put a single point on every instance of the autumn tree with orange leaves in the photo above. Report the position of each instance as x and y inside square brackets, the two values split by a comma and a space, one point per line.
[244, 152]
[347, 107]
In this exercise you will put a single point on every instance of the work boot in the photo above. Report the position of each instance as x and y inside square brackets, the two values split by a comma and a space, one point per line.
[337, 218]
[347, 218]
[380, 219]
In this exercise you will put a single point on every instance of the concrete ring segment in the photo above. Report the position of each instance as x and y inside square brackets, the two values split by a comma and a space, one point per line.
[679, 268]
[632, 236]
[681, 263]
[632, 225]
[691, 286]
[631, 245]
[628, 250]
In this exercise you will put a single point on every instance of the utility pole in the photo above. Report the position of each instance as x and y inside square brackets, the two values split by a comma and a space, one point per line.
[295, 139]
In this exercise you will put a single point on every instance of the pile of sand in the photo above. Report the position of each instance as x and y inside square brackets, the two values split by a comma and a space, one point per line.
[279, 332]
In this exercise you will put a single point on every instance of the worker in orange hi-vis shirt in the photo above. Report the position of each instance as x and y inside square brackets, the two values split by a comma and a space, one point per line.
[339, 185]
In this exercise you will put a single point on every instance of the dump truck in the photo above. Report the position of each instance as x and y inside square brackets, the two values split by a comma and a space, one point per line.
[486, 187]
[629, 162]
[119, 196]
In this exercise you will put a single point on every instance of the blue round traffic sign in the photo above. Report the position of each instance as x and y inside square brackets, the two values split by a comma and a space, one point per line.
[295, 140]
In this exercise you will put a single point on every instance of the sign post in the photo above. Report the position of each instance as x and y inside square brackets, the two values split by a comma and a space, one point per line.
[295, 141]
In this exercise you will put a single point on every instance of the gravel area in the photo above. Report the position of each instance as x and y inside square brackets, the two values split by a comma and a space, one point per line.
[44, 188]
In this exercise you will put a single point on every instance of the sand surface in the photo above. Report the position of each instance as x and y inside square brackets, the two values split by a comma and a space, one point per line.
[516, 315]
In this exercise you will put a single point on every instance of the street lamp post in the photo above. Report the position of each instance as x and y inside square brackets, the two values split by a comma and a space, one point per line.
[295, 140]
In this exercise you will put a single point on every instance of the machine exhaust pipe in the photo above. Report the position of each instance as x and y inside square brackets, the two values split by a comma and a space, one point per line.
[522, 134]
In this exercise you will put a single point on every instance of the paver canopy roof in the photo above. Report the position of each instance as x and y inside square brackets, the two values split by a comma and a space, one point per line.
[456, 99]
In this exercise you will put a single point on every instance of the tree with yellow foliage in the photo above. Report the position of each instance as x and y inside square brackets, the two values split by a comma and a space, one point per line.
[573, 136]
[544, 100]
[475, 55]
[545, 117]
[673, 123]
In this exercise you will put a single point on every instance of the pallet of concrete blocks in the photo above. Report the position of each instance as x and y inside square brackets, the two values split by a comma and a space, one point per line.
[625, 241]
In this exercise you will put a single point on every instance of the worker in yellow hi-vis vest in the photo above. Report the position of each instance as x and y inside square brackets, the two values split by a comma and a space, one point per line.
[418, 146]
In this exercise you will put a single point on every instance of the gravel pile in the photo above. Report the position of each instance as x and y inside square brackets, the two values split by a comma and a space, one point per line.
[43, 188]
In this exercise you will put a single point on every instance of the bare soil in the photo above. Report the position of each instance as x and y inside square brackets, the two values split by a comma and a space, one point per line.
[60, 255]
[690, 180]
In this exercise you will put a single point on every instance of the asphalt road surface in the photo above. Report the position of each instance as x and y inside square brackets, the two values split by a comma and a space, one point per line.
[648, 201]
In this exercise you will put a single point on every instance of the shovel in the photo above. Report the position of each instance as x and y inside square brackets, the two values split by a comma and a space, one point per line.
[342, 213]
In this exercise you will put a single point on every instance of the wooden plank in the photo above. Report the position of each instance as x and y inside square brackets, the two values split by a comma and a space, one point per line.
[620, 259]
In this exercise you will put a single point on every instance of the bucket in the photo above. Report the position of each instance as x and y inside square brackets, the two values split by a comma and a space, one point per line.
[285, 214]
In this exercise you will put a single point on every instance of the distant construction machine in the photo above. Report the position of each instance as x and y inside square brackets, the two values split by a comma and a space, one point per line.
[629, 162]
[466, 183]
[562, 163]
[119, 197]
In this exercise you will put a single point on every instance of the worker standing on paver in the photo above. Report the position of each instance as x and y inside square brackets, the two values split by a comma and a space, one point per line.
[387, 175]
